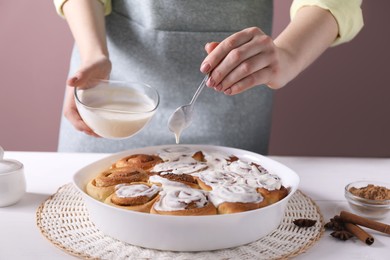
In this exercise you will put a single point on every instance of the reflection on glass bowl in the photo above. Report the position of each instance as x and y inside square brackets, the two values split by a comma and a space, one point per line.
[116, 109]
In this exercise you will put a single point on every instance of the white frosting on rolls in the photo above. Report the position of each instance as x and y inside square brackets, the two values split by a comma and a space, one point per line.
[165, 182]
[244, 168]
[136, 190]
[231, 179]
[172, 199]
[178, 163]
[235, 193]
[218, 177]
[238, 173]
[216, 160]
[268, 181]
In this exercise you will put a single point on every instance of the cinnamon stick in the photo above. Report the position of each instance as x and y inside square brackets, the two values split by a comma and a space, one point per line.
[358, 220]
[359, 233]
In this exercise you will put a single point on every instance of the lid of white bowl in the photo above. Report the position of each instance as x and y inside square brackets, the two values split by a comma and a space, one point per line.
[7, 166]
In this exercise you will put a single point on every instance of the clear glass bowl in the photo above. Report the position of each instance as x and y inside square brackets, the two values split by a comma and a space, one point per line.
[369, 208]
[117, 109]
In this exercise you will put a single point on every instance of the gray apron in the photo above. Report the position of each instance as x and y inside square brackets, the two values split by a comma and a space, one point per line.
[161, 43]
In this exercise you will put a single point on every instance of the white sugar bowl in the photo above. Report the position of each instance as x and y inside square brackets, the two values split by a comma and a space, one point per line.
[12, 181]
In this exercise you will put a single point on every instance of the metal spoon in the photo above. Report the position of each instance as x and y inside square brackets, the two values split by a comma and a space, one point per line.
[182, 117]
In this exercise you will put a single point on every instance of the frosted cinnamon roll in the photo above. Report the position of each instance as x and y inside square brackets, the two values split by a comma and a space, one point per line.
[244, 168]
[256, 176]
[209, 179]
[164, 182]
[267, 181]
[180, 163]
[169, 179]
[236, 198]
[218, 160]
[136, 196]
[139, 161]
[104, 184]
[268, 185]
[183, 202]
[214, 158]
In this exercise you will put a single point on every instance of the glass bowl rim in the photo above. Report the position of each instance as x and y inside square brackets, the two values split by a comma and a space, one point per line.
[385, 203]
[115, 110]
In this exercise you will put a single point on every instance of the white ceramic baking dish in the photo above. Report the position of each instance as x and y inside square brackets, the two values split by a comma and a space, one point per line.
[186, 233]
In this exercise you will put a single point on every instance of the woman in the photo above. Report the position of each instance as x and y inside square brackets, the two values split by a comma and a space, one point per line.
[162, 44]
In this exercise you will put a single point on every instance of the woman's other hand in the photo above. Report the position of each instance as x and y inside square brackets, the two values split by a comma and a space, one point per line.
[89, 71]
[87, 23]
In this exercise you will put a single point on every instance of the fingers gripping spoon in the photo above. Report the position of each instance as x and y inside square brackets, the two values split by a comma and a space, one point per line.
[182, 117]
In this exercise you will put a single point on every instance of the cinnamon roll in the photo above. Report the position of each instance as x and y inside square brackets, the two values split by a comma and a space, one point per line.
[135, 196]
[183, 202]
[236, 198]
[217, 160]
[99, 193]
[104, 184]
[180, 163]
[209, 179]
[139, 161]
[187, 182]
[245, 169]
[268, 185]
[254, 175]
[170, 179]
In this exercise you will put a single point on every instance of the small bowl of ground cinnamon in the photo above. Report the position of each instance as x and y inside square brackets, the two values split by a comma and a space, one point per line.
[369, 199]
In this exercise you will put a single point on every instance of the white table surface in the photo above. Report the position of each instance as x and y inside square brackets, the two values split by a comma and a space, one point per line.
[322, 179]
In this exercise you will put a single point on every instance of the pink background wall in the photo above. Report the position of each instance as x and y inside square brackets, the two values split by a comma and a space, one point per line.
[338, 107]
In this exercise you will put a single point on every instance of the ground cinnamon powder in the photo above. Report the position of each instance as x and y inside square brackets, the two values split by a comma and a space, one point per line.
[371, 192]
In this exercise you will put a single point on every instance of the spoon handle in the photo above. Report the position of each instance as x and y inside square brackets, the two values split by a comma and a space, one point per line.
[200, 88]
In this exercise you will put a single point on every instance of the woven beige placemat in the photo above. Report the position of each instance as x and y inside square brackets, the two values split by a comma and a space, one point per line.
[63, 219]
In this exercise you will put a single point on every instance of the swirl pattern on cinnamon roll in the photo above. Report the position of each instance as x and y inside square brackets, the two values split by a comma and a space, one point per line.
[244, 168]
[267, 184]
[120, 175]
[104, 184]
[183, 202]
[136, 196]
[210, 178]
[140, 161]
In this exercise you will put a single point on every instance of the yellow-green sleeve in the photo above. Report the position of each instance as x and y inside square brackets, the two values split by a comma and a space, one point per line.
[348, 14]
[60, 3]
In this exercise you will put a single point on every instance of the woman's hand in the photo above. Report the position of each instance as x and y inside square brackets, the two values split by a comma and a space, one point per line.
[89, 71]
[245, 59]
[87, 23]
[249, 58]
